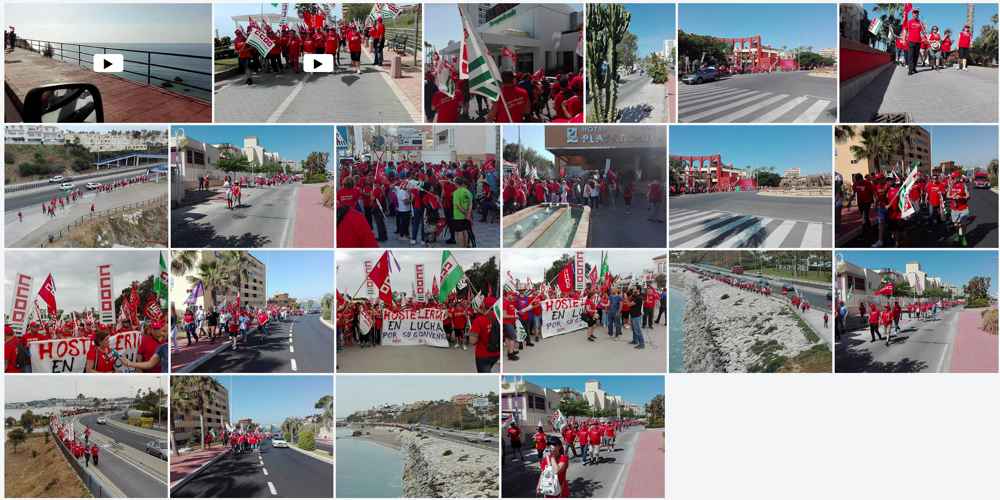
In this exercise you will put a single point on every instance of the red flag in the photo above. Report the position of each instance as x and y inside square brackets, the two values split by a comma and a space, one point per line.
[48, 294]
[340, 298]
[153, 311]
[380, 276]
[133, 305]
[593, 274]
[888, 289]
[434, 287]
[565, 278]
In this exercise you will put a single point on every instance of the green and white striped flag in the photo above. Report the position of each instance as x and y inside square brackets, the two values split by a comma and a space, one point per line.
[477, 66]
[906, 207]
[260, 41]
[452, 275]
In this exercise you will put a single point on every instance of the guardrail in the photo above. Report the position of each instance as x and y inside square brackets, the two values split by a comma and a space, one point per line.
[49, 49]
[37, 184]
[96, 487]
[58, 234]
[404, 40]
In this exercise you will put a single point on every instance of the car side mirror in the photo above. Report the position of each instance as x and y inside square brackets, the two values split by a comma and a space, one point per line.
[64, 103]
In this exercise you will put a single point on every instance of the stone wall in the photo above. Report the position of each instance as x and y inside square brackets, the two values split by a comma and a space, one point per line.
[436, 468]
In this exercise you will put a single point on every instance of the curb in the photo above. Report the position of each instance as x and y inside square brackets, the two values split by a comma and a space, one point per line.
[138, 430]
[192, 366]
[328, 324]
[309, 454]
[182, 481]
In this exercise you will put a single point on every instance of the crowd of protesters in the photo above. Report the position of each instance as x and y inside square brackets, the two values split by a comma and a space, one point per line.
[429, 202]
[597, 191]
[223, 323]
[882, 321]
[917, 45]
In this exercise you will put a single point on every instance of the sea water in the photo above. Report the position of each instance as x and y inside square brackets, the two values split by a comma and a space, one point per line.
[366, 469]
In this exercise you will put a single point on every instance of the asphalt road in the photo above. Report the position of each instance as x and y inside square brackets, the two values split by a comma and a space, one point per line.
[793, 97]
[462, 437]
[273, 472]
[265, 219]
[130, 479]
[747, 219]
[303, 345]
[591, 481]
[815, 295]
[318, 97]
[35, 197]
[123, 436]
[982, 233]
[573, 353]
[923, 346]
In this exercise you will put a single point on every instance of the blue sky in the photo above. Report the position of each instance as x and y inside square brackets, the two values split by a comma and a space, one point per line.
[807, 147]
[293, 142]
[110, 23]
[363, 392]
[954, 266]
[532, 136]
[948, 15]
[652, 23]
[635, 389]
[224, 12]
[269, 399]
[792, 25]
[303, 274]
[967, 145]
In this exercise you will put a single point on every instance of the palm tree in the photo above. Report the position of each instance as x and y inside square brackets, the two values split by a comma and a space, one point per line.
[843, 133]
[182, 261]
[213, 276]
[325, 403]
[233, 264]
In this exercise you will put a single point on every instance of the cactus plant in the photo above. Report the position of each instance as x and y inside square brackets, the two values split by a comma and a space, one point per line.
[606, 28]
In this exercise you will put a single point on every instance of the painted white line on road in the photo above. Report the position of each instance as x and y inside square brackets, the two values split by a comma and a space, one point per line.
[810, 115]
[740, 238]
[740, 113]
[271, 487]
[813, 237]
[776, 113]
[710, 235]
[291, 348]
[778, 235]
[735, 104]
[265, 471]
[295, 367]
[280, 110]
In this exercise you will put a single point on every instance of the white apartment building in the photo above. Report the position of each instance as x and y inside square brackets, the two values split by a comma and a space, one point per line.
[451, 143]
[33, 134]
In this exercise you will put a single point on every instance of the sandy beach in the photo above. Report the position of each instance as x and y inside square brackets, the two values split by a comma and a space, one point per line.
[731, 330]
[385, 436]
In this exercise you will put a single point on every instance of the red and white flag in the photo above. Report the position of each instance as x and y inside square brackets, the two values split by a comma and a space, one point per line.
[380, 276]
[48, 294]
[565, 278]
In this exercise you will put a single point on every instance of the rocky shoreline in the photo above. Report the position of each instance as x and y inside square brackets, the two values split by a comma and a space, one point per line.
[731, 330]
[435, 468]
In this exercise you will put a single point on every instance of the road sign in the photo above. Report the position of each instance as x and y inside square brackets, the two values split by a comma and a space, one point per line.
[481, 403]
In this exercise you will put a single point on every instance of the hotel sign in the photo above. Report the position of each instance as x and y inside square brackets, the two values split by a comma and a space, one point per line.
[613, 136]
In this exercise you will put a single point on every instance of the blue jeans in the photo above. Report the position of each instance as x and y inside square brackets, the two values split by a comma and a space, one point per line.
[417, 223]
[583, 452]
[614, 324]
[637, 331]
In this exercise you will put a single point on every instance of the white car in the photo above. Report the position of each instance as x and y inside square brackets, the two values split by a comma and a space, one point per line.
[66, 186]
[54, 179]
[102, 420]
[279, 443]
[93, 185]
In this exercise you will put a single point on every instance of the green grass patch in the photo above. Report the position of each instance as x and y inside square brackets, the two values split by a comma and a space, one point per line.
[817, 359]
[226, 64]
[770, 361]
[807, 330]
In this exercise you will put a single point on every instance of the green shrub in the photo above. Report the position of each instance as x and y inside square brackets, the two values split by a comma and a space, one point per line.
[307, 440]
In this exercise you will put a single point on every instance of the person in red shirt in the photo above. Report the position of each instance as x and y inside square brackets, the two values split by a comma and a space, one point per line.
[913, 30]
[514, 437]
[294, 51]
[964, 44]
[540, 441]
[153, 336]
[100, 358]
[378, 41]
[559, 461]
[935, 194]
[958, 197]
[447, 108]
[513, 104]
[353, 230]
[331, 43]
[886, 321]
[873, 320]
[934, 41]
[484, 329]
[348, 195]
[595, 443]
[510, 328]
[354, 47]
[946, 46]
[569, 435]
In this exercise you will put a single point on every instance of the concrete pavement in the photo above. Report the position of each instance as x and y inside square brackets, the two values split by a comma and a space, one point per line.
[318, 232]
[487, 235]
[407, 359]
[303, 345]
[635, 459]
[792, 97]
[639, 90]
[341, 97]
[613, 226]
[266, 473]
[943, 96]
[923, 346]
[136, 473]
[747, 220]
[266, 218]
[573, 353]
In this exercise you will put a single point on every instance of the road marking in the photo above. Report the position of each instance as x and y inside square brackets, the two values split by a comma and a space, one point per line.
[735, 104]
[813, 237]
[746, 95]
[690, 102]
[291, 348]
[680, 218]
[810, 115]
[776, 113]
[280, 110]
[778, 235]
[712, 234]
[271, 487]
[741, 237]
[295, 367]
[735, 115]
[265, 471]
[701, 225]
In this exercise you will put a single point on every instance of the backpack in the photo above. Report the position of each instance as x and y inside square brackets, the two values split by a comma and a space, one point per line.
[548, 482]
[493, 344]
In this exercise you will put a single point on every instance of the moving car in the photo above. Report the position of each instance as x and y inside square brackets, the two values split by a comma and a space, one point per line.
[701, 76]
[157, 448]
[66, 186]
[93, 185]
[981, 180]
[279, 443]
[102, 420]
[55, 179]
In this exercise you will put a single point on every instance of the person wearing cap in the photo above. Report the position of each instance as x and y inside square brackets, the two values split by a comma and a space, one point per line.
[559, 461]
[958, 196]
[484, 328]
[378, 41]
[913, 30]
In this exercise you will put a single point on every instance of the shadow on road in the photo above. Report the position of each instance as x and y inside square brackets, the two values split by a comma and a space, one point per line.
[852, 358]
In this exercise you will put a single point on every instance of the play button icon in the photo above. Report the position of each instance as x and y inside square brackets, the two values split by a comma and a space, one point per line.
[318, 63]
[109, 63]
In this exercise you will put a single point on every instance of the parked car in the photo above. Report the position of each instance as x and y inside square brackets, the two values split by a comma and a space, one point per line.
[55, 179]
[701, 76]
[279, 443]
[157, 448]
[93, 185]
[66, 186]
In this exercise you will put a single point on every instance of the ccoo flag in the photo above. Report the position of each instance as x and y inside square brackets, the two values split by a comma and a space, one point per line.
[477, 66]
[452, 275]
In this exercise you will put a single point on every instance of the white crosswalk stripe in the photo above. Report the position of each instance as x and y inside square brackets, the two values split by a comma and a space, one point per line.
[718, 229]
[708, 104]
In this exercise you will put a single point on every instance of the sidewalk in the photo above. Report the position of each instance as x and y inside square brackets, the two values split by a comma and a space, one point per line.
[672, 99]
[975, 350]
[185, 465]
[645, 475]
[410, 87]
[849, 227]
[187, 358]
[313, 221]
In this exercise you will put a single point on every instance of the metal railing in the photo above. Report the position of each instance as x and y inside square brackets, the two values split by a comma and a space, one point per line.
[403, 40]
[58, 234]
[37, 184]
[50, 49]
[90, 481]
